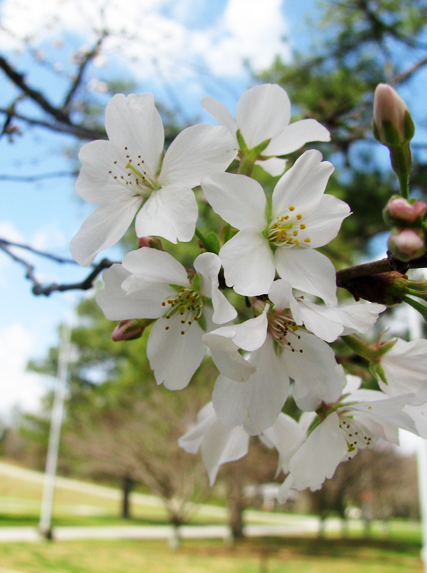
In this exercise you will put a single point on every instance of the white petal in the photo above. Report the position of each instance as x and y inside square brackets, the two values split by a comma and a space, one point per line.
[116, 305]
[208, 266]
[323, 224]
[170, 212]
[317, 376]
[219, 112]
[153, 267]
[96, 183]
[197, 152]
[286, 435]
[309, 271]
[135, 127]
[273, 165]
[303, 185]
[328, 322]
[248, 263]
[262, 113]
[192, 440]
[319, 456]
[226, 341]
[256, 403]
[405, 366]
[296, 135]
[222, 444]
[238, 199]
[174, 357]
[280, 294]
[102, 229]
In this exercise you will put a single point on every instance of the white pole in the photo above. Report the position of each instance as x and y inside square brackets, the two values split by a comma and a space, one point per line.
[55, 431]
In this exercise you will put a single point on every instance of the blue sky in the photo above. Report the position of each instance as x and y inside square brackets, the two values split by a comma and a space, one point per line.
[198, 47]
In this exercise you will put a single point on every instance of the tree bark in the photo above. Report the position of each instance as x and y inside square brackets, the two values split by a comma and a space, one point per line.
[127, 485]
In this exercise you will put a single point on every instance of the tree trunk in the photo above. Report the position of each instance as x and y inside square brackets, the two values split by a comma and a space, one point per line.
[127, 484]
[236, 506]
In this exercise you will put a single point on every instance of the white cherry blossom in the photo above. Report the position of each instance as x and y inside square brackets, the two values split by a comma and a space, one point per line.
[127, 176]
[252, 392]
[263, 114]
[358, 419]
[325, 321]
[152, 284]
[219, 444]
[302, 218]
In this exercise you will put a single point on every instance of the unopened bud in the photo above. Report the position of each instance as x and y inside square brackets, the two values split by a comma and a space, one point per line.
[130, 329]
[393, 125]
[406, 244]
[151, 242]
[399, 210]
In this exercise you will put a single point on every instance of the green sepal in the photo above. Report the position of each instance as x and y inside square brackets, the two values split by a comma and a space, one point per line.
[241, 141]
[212, 243]
[377, 372]
[195, 282]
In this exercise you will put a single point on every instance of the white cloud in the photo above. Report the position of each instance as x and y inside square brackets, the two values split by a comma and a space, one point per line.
[18, 389]
[247, 29]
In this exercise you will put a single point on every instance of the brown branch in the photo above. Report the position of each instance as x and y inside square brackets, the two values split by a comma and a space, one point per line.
[86, 284]
[79, 131]
[35, 178]
[399, 78]
[377, 267]
[19, 80]
[40, 289]
[89, 56]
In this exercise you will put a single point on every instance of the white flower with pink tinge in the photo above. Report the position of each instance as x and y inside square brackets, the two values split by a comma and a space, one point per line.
[283, 236]
[129, 175]
[355, 422]
[263, 114]
[151, 284]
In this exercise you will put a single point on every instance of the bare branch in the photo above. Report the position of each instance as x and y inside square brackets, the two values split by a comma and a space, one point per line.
[86, 284]
[40, 289]
[80, 131]
[89, 56]
[5, 243]
[19, 80]
[399, 78]
[35, 178]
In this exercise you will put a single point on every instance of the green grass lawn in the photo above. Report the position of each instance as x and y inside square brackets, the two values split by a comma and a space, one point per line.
[302, 555]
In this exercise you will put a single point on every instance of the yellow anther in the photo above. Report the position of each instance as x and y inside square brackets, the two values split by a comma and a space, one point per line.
[307, 240]
[295, 233]
[291, 208]
[296, 242]
[299, 216]
[302, 226]
[287, 217]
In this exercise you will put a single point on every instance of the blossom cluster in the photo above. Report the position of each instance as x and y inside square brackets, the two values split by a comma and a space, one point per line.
[260, 297]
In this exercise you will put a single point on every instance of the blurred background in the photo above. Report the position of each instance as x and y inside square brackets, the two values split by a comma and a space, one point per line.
[60, 63]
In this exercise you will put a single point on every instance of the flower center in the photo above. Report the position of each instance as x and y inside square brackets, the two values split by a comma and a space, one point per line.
[288, 230]
[186, 307]
[133, 175]
[355, 436]
[284, 331]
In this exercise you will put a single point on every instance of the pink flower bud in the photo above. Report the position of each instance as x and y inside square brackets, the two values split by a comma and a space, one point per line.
[407, 244]
[128, 330]
[402, 210]
[151, 242]
[393, 125]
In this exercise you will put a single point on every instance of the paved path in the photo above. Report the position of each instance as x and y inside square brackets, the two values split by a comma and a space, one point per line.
[268, 523]
[31, 534]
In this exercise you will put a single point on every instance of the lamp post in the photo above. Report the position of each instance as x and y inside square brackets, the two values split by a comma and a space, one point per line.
[45, 524]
